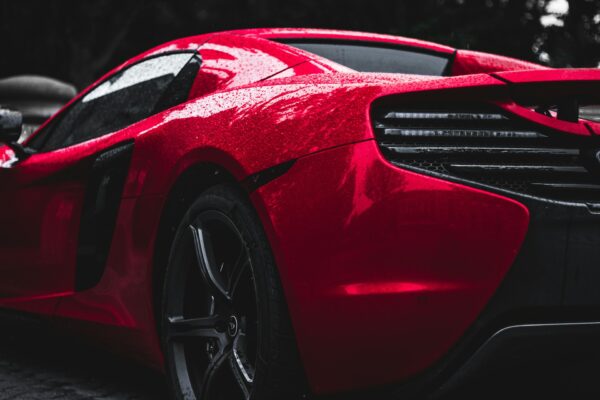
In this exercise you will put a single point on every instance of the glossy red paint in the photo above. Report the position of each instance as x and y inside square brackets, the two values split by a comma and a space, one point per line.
[233, 60]
[373, 259]
[384, 287]
[40, 231]
[123, 298]
[7, 156]
[381, 267]
[584, 77]
[474, 62]
[252, 128]
[575, 128]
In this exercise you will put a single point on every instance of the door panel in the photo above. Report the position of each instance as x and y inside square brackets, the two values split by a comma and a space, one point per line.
[41, 203]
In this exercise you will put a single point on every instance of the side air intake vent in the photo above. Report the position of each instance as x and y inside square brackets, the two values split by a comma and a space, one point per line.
[99, 215]
[485, 146]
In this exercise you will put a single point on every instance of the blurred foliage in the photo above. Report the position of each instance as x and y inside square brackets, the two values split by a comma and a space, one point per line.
[78, 40]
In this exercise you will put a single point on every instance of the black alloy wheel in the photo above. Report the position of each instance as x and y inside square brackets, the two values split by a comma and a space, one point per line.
[222, 320]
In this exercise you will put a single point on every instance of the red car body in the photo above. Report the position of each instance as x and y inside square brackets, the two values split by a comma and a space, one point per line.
[383, 266]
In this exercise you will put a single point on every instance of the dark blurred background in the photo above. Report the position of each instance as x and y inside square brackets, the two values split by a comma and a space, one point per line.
[76, 41]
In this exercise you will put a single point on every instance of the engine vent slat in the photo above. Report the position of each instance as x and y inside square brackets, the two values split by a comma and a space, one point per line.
[486, 146]
[444, 116]
[454, 150]
[459, 133]
[571, 186]
[503, 168]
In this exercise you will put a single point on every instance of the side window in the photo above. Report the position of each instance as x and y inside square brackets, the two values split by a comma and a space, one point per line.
[129, 96]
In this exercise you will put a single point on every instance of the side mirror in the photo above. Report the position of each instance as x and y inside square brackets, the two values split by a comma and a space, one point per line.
[11, 123]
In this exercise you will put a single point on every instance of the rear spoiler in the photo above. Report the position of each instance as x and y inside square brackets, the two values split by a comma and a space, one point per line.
[570, 76]
[553, 97]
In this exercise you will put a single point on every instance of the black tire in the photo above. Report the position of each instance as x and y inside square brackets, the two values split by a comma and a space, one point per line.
[224, 338]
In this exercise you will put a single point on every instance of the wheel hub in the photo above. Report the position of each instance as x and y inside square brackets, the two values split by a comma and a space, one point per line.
[233, 326]
[211, 348]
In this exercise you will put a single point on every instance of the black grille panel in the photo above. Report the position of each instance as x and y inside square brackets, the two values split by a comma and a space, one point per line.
[485, 146]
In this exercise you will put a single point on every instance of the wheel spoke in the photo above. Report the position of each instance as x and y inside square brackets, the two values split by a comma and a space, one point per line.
[211, 370]
[206, 262]
[207, 327]
[239, 378]
[242, 367]
[238, 269]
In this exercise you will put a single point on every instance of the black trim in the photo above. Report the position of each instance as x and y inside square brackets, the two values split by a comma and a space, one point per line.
[179, 89]
[261, 178]
[20, 151]
[568, 110]
[450, 65]
[99, 213]
[534, 351]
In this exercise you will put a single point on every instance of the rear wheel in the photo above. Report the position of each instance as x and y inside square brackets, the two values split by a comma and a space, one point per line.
[225, 326]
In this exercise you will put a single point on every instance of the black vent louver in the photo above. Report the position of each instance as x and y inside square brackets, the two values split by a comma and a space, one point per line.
[484, 146]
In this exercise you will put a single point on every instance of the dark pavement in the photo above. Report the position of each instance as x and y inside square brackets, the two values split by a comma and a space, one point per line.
[40, 363]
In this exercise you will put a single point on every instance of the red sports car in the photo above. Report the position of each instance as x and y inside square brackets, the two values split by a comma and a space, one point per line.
[277, 213]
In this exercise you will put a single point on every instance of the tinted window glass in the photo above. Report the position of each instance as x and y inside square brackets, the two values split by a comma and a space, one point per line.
[125, 98]
[375, 58]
